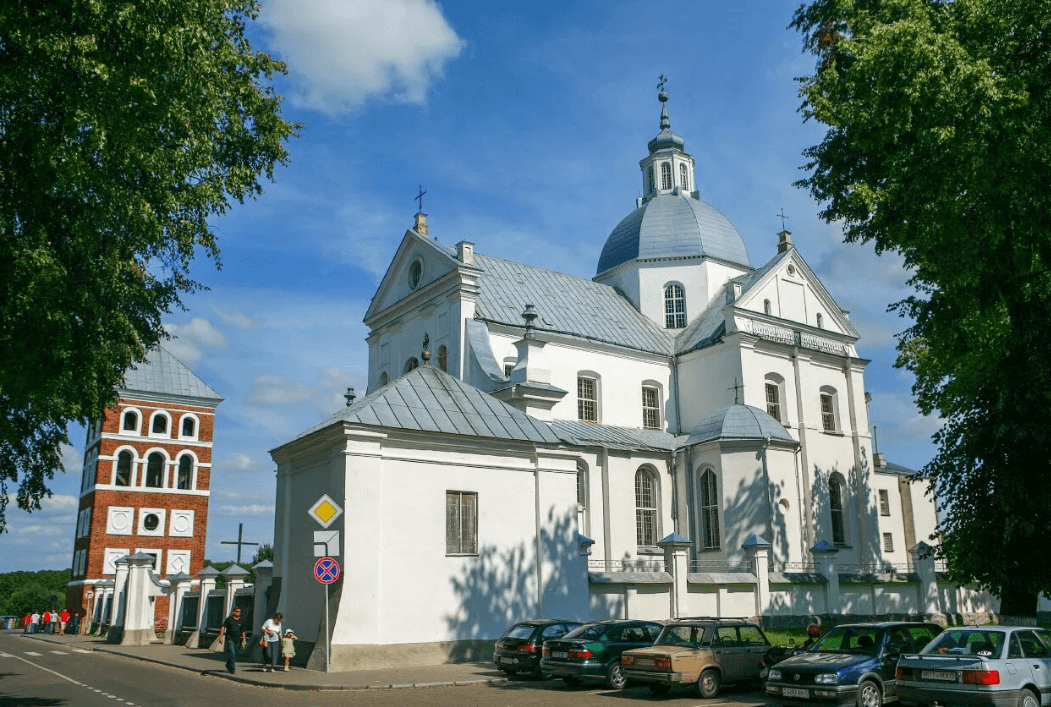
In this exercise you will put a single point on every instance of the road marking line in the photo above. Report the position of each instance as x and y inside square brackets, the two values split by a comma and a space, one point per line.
[59, 652]
[38, 655]
[5, 655]
[80, 650]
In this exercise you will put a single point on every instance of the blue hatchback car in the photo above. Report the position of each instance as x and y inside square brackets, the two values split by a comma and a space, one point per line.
[852, 663]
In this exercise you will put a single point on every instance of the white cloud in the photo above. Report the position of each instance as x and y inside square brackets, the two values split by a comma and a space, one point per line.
[60, 502]
[326, 393]
[239, 461]
[235, 318]
[250, 510]
[189, 341]
[342, 52]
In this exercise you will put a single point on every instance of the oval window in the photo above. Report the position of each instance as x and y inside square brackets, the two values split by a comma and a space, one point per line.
[151, 521]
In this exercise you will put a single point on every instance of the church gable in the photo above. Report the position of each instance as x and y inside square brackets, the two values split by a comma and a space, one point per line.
[786, 288]
[417, 263]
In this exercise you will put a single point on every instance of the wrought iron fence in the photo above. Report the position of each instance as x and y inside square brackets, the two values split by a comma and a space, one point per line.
[877, 568]
[809, 567]
[627, 565]
[720, 566]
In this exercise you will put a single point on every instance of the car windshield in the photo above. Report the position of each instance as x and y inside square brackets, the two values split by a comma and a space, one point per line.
[589, 632]
[680, 636]
[520, 631]
[859, 640]
[964, 641]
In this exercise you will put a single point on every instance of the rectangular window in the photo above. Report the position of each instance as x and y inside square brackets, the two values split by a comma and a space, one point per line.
[884, 502]
[582, 489]
[888, 542]
[587, 399]
[773, 401]
[828, 413]
[651, 408]
[461, 523]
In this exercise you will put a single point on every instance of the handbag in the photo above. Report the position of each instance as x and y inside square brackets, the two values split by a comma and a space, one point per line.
[262, 641]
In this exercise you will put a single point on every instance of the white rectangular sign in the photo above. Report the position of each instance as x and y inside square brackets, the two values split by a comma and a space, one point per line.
[326, 543]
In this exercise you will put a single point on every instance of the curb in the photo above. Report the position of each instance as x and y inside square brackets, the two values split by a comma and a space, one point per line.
[222, 674]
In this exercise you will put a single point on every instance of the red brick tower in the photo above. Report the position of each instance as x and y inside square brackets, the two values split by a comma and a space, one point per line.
[147, 468]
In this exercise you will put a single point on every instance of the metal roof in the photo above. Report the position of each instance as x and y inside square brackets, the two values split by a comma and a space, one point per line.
[163, 374]
[429, 400]
[590, 434]
[566, 305]
[673, 226]
[739, 422]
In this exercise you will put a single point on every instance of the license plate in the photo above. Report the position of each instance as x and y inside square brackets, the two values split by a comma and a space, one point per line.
[559, 654]
[795, 692]
[938, 675]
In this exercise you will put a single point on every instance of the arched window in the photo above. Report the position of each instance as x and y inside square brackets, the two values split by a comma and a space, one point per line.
[651, 178]
[415, 274]
[587, 398]
[443, 358]
[709, 511]
[766, 306]
[131, 421]
[775, 388]
[411, 365]
[651, 407]
[155, 470]
[185, 477]
[674, 307]
[666, 175]
[188, 426]
[125, 462]
[820, 321]
[835, 505]
[829, 421]
[646, 508]
[159, 425]
[384, 378]
[684, 177]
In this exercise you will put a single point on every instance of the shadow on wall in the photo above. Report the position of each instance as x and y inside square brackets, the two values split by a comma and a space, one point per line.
[499, 587]
[859, 512]
[753, 509]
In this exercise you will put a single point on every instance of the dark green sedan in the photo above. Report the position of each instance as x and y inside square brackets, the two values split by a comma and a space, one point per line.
[592, 652]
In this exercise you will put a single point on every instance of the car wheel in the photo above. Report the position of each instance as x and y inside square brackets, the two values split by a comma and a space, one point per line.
[708, 684]
[659, 688]
[571, 681]
[1028, 699]
[870, 695]
[615, 679]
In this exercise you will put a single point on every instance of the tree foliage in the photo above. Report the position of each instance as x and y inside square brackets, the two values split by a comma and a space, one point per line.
[23, 593]
[938, 147]
[123, 128]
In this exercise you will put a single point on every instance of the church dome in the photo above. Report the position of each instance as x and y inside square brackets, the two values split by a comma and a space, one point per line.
[738, 422]
[673, 226]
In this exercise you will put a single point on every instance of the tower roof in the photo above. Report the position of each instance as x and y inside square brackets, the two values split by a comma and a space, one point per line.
[163, 374]
[738, 422]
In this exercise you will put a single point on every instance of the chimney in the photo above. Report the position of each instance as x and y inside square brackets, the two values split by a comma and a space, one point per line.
[733, 292]
[784, 241]
[464, 251]
[421, 224]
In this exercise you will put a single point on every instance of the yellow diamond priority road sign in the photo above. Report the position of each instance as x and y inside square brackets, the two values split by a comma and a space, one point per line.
[325, 511]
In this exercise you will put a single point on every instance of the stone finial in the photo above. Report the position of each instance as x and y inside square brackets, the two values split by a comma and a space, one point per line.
[426, 353]
[234, 572]
[465, 252]
[529, 315]
[784, 242]
[349, 395]
[756, 541]
[421, 224]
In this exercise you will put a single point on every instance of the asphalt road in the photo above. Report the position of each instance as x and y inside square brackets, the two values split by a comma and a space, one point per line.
[38, 674]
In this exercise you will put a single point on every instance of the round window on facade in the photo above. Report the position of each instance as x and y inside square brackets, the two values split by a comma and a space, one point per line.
[151, 522]
[415, 274]
[791, 269]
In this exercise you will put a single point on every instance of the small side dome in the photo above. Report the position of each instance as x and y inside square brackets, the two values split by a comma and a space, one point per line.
[739, 422]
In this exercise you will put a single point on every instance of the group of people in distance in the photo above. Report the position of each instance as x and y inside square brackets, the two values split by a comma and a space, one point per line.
[47, 621]
[276, 641]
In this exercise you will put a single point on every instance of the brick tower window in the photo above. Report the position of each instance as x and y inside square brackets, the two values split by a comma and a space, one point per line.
[155, 470]
[187, 427]
[160, 424]
[131, 421]
[185, 472]
[124, 465]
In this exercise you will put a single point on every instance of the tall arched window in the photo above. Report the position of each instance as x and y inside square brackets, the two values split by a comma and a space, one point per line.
[820, 321]
[766, 306]
[155, 470]
[674, 307]
[835, 505]
[185, 477]
[646, 508]
[131, 421]
[684, 177]
[159, 424]
[666, 175]
[443, 358]
[411, 364]
[188, 426]
[124, 466]
[709, 511]
[651, 178]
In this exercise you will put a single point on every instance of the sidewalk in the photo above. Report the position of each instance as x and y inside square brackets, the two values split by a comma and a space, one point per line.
[205, 662]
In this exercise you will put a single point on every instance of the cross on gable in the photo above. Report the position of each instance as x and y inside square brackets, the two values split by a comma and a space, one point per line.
[783, 217]
[419, 198]
[239, 542]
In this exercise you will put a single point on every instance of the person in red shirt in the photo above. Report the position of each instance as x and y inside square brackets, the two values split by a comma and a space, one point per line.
[62, 619]
[45, 620]
[26, 623]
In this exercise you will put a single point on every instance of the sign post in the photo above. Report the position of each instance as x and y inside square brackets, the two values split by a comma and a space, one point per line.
[326, 571]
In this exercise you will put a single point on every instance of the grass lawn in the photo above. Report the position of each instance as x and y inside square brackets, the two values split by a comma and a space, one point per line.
[786, 636]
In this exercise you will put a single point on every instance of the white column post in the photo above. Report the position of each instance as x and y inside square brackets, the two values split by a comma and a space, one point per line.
[923, 559]
[180, 584]
[234, 576]
[825, 559]
[676, 561]
[264, 578]
[759, 549]
[120, 583]
[138, 609]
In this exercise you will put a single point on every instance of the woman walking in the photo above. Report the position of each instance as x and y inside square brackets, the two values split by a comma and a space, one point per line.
[272, 634]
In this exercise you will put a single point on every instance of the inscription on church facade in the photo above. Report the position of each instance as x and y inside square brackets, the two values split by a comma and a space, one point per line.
[781, 335]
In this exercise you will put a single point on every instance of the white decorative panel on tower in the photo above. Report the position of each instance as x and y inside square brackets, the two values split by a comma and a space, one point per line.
[120, 520]
[151, 521]
[181, 524]
[112, 555]
[178, 561]
[157, 556]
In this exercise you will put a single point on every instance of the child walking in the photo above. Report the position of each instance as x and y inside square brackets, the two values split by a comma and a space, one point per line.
[288, 647]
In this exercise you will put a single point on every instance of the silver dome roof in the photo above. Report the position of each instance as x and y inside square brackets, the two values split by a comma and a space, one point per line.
[738, 422]
[673, 226]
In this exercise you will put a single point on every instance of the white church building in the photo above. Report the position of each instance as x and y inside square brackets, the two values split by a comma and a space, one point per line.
[684, 434]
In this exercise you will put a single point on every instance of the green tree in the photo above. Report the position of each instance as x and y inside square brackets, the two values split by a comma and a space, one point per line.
[938, 147]
[123, 128]
[263, 552]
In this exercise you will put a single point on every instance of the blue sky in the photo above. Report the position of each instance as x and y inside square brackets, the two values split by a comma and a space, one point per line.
[525, 123]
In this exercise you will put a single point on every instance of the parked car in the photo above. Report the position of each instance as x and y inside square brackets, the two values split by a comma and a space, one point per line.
[979, 666]
[520, 648]
[703, 653]
[592, 651]
[851, 663]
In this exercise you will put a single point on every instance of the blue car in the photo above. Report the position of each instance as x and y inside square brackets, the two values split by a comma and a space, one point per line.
[851, 664]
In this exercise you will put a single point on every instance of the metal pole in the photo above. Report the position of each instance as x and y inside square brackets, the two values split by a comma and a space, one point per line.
[324, 588]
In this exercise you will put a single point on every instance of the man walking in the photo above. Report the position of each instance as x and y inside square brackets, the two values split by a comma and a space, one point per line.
[63, 619]
[54, 622]
[36, 622]
[235, 629]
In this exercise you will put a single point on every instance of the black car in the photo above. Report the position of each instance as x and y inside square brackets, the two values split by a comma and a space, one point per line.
[592, 652]
[852, 663]
[519, 649]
